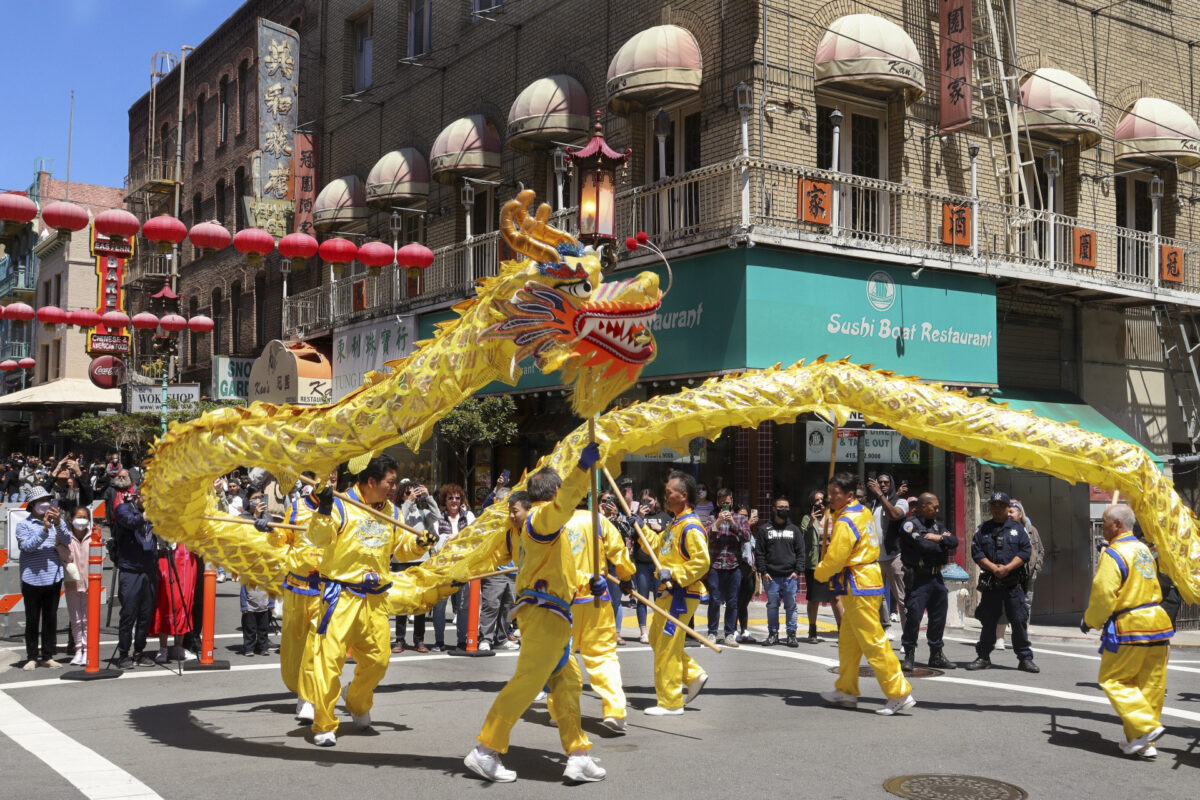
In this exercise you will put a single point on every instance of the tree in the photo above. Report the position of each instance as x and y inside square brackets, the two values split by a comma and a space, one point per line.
[478, 421]
[129, 432]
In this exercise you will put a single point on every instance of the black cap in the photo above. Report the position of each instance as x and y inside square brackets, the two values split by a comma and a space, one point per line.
[999, 497]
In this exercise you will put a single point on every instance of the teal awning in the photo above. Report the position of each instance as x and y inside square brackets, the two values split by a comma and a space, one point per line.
[1065, 407]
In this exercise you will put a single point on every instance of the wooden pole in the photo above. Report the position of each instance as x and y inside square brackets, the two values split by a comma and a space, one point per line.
[379, 515]
[594, 490]
[641, 534]
[491, 574]
[657, 610]
[244, 521]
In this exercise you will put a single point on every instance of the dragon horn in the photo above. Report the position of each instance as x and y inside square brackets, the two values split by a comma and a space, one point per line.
[531, 237]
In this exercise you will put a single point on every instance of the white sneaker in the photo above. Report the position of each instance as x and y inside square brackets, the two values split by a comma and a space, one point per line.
[840, 698]
[510, 645]
[553, 722]
[80, 660]
[1149, 752]
[895, 617]
[304, 711]
[695, 687]
[895, 705]
[891, 636]
[363, 721]
[1142, 742]
[188, 655]
[484, 646]
[583, 768]
[1000, 644]
[615, 724]
[486, 764]
[161, 656]
[659, 711]
[541, 697]
[326, 739]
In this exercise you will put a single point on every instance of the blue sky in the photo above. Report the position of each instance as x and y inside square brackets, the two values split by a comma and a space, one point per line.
[103, 51]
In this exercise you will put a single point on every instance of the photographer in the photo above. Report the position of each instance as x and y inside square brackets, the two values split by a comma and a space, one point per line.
[420, 512]
[68, 487]
[41, 575]
[727, 534]
[812, 525]
[137, 560]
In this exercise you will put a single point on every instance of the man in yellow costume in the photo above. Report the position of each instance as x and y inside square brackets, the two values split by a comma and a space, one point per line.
[595, 626]
[353, 611]
[849, 564]
[547, 578]
[1125, 605]
[683, 553]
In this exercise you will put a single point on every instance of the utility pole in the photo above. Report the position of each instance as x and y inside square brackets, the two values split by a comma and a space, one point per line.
[70, 128]
[174, 272]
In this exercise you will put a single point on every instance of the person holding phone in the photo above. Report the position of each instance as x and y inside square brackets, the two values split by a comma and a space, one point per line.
[727, 534]
[816, 592]
[38, 538]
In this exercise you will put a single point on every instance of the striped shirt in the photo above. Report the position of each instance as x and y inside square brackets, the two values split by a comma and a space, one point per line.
[40, 564]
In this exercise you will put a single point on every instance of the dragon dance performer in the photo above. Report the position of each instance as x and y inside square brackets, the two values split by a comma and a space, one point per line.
[683, 553]
[595, 627]
[547, 578]
[849, 563]
[1125, 605]
[353, 610]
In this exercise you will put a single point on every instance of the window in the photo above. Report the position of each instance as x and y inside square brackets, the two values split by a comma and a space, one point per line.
[363, 46]
[420, 31]
[552, 177]
[223, 122]
[165, 150]
[220, 201]
[193, 339]
[243, 89]
[44, 364]
[60, 360]
[218, 318]
[678, 153]
[197, 208]
[485, 5]
[235, 317]
[200, 127]
[260, 310]
[862, 152]
[57, 301]
[485, 214]
[239, 192]
[412, 228]
[1135, 212]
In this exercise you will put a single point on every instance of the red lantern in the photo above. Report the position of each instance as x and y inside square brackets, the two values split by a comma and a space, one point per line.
[145, 321]
[117, 224]
[200, 325]
[254, 243]
[298, 248]
[50, 316]
[209, 236]
[65, 218]
[165, 231]
[16, 208]
[376, 256]
[8, 365]
[172, 323]
[85, 318]
[115, 320]
[18, 311]
[339, 253]
[27, 363]
[415, 257]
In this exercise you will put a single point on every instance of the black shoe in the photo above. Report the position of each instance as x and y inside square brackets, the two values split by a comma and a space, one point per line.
[772, 639]
[1027, 665]
[909, 662]
[124, 662]
[140, 660]
[980, 663]
[938, 659]
[792, 641]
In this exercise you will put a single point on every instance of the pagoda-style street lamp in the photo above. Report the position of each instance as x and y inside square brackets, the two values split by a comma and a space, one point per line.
[597, 165]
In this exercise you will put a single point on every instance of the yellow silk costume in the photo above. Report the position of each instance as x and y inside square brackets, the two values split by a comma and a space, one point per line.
[683, 549]
[1125, 606]
[354, 612]
[546, 583]
[301, 600]
[850, 565]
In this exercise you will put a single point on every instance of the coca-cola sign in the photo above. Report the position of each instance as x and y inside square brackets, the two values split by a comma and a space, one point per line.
[107, 372]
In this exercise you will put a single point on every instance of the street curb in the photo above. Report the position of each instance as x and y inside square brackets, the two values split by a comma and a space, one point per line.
[1043, 638]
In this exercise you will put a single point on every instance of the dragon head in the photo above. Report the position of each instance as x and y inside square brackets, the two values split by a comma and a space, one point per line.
[558, 310]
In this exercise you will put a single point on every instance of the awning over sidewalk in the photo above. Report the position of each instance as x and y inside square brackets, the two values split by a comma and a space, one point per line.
[1065, 407]
[63, 392]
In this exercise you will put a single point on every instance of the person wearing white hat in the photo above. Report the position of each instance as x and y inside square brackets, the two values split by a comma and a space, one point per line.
[41, 575]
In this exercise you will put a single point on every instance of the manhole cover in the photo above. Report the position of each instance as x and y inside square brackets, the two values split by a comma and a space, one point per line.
[920, 672]
[953, 787]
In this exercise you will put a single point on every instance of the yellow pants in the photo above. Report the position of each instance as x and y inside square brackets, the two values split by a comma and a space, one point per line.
[361, 623]
[295, 655]
[674, 669]
[1135, 680]
[861, 634]
[595, 637]
[544, 637]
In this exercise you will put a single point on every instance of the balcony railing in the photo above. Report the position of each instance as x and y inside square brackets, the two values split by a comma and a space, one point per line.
[22, 280]
[153, 175]
[14, 350]
[761, 200]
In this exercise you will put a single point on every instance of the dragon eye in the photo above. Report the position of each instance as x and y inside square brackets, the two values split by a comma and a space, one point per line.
[581, 289]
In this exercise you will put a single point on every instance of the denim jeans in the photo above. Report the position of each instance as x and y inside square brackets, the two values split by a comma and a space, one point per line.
[439, 622]
[777, 588]
[723, 585]
[645, 581]
[614, 593]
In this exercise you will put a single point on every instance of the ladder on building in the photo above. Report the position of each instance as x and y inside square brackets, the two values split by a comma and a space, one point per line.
[997, 96]
[1180, 339]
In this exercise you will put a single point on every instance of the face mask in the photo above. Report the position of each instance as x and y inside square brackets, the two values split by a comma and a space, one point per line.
[703, 493]
[80, 524]
[41, 508]
[783, 513]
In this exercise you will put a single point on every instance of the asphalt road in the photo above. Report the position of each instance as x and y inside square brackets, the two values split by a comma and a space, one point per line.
[758, 729]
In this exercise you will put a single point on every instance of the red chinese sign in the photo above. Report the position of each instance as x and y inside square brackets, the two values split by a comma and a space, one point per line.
[956, 225]
[304, 171]
[1170, 264]
[956, 57]
[111, 258]
[1083, 247]
[815, 201]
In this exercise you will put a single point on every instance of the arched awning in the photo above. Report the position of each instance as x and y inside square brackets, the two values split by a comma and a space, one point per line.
[1153, 129]
[657, 66]
[553, 108]
[467, 146]
[1057, 104]
[872, 54]
[400, 176]
[341, 206]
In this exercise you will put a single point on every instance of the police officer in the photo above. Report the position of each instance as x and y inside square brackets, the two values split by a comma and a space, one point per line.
[1001, 548]
[925, 547]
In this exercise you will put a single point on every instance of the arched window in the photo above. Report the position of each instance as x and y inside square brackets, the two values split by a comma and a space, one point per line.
[260, 310]
[243, 89]
[239, 192]
[193, 351]
[223, 121]
[235, 317]
[200, 127]
[219, 199]
[218, 318]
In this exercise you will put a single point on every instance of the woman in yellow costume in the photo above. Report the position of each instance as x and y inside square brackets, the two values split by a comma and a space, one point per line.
[546, 583]
[1125, 605]
[683, 553]
[850, 565]
[354, 611]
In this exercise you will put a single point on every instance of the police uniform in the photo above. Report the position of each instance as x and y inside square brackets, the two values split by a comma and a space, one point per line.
[923, 560]
[301, 600]
[1125, 604]
[1000, 543]
[850, 564]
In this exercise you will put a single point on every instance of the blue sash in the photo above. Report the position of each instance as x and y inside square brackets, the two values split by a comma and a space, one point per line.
[333, 591]
[1108, 634]
[546, 601]
[678, 609]
[307, 585]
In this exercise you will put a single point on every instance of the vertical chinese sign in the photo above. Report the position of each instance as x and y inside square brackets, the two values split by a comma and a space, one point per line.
[956, 225]
[1083, 250]
[1170, 264]
[957, 59]
[305, 171]
[111, 258]
[815, 201]
[278, 112]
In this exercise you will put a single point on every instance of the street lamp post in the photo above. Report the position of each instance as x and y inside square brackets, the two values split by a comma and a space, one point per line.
[1052, 165]
[1157, 186]
[560, 173]
[396, 227]
[835, 117]
[973, 150]
[467, 197]
[745, 102]
[662, 129]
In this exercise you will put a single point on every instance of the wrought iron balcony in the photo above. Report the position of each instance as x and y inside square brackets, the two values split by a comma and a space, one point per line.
[14, 350]
[21, 281]
[154, 175]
